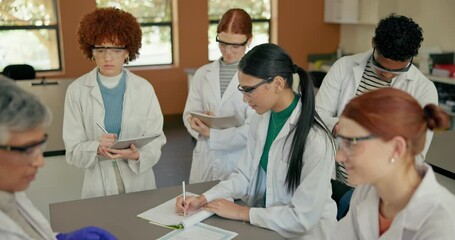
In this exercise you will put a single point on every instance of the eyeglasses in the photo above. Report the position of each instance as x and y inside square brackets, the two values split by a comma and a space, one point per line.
[381, 68]
[113, 51]
[28, 151]
[232, 46]
[249, 90]
[347, 143]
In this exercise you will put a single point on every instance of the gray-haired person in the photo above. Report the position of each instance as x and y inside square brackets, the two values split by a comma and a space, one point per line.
[23, 119]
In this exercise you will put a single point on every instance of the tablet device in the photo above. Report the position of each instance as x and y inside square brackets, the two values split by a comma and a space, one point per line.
[138, 142]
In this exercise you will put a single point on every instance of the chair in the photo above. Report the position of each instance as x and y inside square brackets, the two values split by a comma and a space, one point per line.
[19, 71]
[317, 77]
[341, 194]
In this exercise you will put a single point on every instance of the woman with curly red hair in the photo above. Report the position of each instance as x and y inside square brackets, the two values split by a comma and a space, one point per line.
[113, 97]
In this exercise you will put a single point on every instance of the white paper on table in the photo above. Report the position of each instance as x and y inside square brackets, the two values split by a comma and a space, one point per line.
[200, 231]
[165, 215]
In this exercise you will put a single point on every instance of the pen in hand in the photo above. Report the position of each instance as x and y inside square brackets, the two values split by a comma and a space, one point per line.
[104, 130]
[184, 197]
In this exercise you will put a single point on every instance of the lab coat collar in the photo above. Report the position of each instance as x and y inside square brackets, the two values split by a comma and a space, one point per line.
[422, 202]
[291, 122]
[411, 218]
[368, 211]
[213, 80]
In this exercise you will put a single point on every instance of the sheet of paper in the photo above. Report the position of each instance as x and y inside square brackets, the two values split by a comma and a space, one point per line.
[165, 215]
[200, 231]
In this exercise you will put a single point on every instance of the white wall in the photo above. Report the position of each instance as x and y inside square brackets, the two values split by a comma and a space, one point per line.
[436, 17]
[57, 181]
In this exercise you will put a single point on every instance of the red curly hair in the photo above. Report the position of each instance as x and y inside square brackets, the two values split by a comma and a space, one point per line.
[109, 25]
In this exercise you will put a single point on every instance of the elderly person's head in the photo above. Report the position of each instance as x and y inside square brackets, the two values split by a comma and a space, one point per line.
[23, 119]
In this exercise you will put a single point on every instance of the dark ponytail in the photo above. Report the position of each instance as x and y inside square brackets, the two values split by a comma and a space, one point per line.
[307, 119]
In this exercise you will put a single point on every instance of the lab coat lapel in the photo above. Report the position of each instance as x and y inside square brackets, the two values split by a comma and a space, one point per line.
[213, 80]
[231, 89]
[368, 212]
[91, 83]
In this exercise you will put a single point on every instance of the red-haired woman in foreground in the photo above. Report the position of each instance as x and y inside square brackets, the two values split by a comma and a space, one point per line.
[381, 132]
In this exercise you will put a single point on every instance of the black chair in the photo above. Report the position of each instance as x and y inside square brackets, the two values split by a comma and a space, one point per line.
[19, 71]
[317, 77]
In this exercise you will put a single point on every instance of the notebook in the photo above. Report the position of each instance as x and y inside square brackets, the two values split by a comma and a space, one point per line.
[165, 215]
[218, 122]
[138, 142]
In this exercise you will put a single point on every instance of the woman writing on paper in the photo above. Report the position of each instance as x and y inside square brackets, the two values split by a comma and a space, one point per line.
[213, 90]
[23, 119]
[381, 133]
[123, 102]
[284, 175]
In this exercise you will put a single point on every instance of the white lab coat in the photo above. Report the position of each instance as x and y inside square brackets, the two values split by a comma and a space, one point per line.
[141, 116]
[341, 82]
[310, 212]
[215, 158]
[428, 215]
[9, 230]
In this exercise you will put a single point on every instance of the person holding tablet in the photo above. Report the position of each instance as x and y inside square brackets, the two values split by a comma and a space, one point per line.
[213, 91]
[122, 102]
[284, 175]
[381, 134]
[23, 119]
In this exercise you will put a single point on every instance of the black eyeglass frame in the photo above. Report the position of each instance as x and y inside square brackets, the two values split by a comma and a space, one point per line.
[231, 44]
[250, 89]
[393, 71]
[25, 149]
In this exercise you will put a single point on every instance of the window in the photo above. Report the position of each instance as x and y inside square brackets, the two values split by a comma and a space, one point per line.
[155, 18]
[259, 11]
[29, 34]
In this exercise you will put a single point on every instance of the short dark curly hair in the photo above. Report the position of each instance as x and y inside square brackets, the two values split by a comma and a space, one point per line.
[109, 25]
[398, 37]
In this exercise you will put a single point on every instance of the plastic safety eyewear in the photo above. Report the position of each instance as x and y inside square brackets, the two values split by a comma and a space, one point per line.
[381, 68]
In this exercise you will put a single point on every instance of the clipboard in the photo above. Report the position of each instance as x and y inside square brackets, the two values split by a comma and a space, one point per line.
[218, 122]
[138, 142]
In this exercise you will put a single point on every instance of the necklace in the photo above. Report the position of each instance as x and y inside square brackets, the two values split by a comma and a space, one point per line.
[277, 126]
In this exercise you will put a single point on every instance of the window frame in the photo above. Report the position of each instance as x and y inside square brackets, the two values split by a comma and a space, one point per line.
[55, 27]
[154, 24]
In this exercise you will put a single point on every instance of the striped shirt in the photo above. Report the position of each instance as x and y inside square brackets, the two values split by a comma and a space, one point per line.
[370, 81]
[227, 72]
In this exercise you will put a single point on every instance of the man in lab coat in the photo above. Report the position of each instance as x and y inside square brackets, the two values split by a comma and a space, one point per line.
[388, 64]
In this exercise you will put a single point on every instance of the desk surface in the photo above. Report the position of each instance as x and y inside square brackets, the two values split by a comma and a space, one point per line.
[118, 215]
[442, 150]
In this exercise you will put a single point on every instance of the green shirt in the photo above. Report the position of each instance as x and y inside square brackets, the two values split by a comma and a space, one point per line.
[276, 123]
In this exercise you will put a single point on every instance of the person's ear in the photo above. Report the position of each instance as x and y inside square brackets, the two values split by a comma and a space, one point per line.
[279, 82]
[372, 43]
[400, 147]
